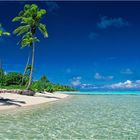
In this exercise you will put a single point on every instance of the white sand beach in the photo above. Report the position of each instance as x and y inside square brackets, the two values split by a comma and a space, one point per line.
[9, 100]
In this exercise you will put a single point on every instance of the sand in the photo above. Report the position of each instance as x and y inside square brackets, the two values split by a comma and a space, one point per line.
[9, 100]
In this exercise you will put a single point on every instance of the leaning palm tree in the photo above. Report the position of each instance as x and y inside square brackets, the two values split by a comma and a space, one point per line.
[27, 40]
[26, 74]
[26, 67]
[30, 18]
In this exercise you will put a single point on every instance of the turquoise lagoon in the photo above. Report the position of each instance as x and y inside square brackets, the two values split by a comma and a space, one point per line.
[104, 92]
[115, 116]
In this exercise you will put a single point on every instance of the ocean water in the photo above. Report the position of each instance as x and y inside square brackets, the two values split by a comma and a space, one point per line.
[85, 117]
[103, 92]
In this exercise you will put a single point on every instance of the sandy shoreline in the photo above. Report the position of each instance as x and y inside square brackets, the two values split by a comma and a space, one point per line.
[9, 101]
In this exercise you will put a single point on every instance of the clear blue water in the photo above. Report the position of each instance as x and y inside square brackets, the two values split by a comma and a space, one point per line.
[79, 117]
[104, 93]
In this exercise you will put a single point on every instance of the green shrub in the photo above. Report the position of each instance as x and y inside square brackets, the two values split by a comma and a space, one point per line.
[44, 79]
[40, 86]
[37, 86]
[13, 87]
[50, 87]
[25, 80]
[1, 77]
[12, 78]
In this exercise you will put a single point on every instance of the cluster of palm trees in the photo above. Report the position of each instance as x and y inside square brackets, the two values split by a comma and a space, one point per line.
[30, 21]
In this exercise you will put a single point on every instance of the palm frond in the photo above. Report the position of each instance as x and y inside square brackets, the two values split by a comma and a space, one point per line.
[0, 32]
[30, 16]
[28, 39]
[43, 30]
[21, 13]
[34, 8]
[6, 33]
[16, 19]
[28, 20]
[26, 7]
[42, 11]
[21, 29]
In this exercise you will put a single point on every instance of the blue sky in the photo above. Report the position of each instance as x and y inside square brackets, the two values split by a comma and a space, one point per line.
[91, 45]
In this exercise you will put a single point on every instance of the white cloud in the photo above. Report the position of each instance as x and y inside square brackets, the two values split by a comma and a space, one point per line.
[88, 86]
[78, 77]
[76, 81]
[98, 76]
[128, 84]
[127, 71]
[106, 22]
[138, 81]
[109, 77]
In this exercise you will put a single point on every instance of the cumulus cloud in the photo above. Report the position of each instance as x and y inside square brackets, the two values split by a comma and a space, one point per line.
[137, 81]
[125, 85]
[87, 86]
[98, 76]
[128, 84]
[93, 35]
[106, 22]
[127, 71]
[76, 81]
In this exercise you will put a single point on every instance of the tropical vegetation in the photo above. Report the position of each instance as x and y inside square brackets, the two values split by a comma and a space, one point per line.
[13, 80]
[30, 20]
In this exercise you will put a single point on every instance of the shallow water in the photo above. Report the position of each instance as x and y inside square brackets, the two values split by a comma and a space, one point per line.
[86, 117]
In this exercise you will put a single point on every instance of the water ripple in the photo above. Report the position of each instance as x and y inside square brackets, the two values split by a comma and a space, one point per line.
[91, 117]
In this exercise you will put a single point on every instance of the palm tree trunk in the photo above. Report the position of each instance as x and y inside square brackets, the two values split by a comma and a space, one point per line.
[1, 82]
[25, 69]
[32, 66]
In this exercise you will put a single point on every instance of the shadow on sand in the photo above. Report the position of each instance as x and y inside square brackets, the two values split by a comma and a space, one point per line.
[48, 96]
[6, 101]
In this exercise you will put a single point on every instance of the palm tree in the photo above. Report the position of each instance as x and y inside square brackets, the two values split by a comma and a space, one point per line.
[2, 33]
[25, 70]
[1, 74]
[30, 18]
